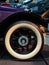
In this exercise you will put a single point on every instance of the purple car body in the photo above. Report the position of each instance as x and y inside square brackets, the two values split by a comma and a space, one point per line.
[7, 11]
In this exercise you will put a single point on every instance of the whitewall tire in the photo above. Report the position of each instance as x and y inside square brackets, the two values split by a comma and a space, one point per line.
[31, 26]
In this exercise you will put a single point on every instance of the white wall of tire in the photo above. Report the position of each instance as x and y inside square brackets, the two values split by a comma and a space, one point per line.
[34, 28]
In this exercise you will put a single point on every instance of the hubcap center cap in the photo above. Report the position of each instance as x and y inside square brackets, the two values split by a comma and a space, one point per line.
[23, 40]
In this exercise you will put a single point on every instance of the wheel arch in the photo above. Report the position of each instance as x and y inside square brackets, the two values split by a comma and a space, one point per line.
[30, 16]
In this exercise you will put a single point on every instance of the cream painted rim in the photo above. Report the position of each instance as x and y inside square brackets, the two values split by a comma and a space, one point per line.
[12, 52]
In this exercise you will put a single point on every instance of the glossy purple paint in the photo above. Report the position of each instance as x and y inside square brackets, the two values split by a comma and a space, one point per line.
[7, 11]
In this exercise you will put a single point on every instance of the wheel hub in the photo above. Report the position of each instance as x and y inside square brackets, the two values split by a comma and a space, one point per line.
[23, 40]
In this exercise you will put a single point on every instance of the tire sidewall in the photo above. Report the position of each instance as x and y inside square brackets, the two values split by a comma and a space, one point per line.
[38, 34]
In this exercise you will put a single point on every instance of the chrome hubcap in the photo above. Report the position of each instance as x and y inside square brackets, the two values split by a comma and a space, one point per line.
[23, 40]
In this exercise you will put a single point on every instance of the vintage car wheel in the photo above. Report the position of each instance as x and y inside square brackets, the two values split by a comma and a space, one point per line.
[23, 40]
